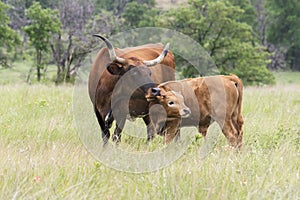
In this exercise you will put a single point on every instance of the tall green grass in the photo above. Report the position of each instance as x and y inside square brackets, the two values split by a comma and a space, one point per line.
[287, 77]
[42, 156]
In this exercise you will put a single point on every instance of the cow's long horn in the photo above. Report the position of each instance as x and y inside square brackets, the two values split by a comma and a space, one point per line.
[157, 60]
[111, 50]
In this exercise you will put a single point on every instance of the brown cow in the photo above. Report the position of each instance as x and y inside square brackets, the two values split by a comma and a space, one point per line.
[214, 98]
[119, 80]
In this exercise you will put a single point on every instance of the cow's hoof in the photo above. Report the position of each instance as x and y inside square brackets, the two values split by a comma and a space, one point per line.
[150, 138]
[116, 139]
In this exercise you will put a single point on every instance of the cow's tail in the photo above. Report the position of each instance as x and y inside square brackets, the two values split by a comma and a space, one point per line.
[240, 121]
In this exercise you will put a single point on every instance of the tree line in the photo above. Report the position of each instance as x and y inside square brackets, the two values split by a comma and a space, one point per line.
[245, 37]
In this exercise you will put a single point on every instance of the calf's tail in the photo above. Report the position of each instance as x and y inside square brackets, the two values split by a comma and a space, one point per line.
[240, 121]
[240, 87]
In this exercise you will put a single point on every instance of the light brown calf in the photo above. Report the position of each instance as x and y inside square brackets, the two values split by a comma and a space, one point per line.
[214, 98]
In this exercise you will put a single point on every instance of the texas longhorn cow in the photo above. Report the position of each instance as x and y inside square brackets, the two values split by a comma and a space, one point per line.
[147, 65]
[199, 102]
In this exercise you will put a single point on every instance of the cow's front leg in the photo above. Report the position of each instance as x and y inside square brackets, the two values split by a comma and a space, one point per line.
[105, 136]
[150, 128]
[109, 120]
[117, 133]
[104, 129]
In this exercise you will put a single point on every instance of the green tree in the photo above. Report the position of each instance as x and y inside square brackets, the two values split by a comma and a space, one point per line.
[104, 4]
[139, 15]
[216, 25]
[44, 23]
[74, 42]
[249, 15]
[44, 3]
[118, 6]
[284, 28]
[8, 37]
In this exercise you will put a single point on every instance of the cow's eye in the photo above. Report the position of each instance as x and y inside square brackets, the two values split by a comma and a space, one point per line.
[131, 67]
[171, 103]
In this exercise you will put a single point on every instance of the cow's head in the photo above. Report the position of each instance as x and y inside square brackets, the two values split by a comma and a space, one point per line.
[139, 68]
[173, 102]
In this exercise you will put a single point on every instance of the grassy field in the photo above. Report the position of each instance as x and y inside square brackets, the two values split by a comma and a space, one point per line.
[42, 156]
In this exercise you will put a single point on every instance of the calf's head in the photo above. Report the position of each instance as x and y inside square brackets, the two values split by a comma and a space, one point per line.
[172, 102]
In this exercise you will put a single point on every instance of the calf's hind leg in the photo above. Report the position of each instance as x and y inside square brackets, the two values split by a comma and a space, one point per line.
[238, 122]
[230, 133]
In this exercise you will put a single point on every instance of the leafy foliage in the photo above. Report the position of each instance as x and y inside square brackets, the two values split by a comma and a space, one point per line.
[43, 24]
[139, 15]
[8, 37]
[118, 6]
[243, 37]
[284, 29]
[217, 27]
[249, 14]
[69, 47]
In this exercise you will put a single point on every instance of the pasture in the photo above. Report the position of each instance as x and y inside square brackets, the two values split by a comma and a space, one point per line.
[42, 156]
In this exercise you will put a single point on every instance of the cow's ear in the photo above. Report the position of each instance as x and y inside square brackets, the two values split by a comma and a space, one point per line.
[161, 97]
[115, 69]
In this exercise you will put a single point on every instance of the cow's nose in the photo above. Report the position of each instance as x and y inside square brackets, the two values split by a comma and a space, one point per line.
[155, 91]
[186, 112]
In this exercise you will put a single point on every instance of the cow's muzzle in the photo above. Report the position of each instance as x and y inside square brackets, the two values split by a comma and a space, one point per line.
[152, 94]
[186, 112]
[155, 92]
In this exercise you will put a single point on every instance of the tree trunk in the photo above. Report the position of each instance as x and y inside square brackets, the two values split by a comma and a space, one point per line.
[262, 21]
[38, 74]
[57, 48]
[38, 64]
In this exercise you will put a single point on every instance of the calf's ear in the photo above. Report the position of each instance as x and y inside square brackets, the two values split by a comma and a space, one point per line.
[115, 69]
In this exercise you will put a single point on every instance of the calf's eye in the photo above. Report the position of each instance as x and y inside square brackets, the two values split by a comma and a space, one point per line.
[171, 103]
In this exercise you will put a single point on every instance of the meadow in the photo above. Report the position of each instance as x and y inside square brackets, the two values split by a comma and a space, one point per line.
[42, 156]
